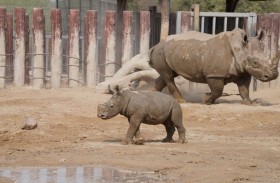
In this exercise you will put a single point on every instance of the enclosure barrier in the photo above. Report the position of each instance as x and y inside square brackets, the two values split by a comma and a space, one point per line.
[30, 63]
[42, 60]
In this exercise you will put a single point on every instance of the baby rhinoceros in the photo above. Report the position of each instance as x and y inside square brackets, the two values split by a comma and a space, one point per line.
[144, 107]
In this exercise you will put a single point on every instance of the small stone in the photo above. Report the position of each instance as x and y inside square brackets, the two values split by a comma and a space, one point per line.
[29, 124]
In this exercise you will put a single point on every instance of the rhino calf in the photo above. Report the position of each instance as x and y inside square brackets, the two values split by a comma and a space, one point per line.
[144, 107]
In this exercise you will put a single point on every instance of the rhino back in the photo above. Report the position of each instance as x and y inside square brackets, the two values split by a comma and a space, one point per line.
[153, 105]
[197, 60]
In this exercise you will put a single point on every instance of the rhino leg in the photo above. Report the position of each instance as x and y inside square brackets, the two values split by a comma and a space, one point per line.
[134, 123]
[159, 84]
[170, 129]
[243, 87]
[176, 118]
[138, 138]
[216, 86]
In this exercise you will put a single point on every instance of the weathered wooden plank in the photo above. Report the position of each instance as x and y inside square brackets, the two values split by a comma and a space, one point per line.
[185, 22]
[56, 48]
[73, 41]
[39, 48]
[127, 51]
[110, 67]
[19, 59]
[144, 31]
[91, 59]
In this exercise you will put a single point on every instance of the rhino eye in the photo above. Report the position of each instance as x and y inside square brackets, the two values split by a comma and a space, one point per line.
[111, 105]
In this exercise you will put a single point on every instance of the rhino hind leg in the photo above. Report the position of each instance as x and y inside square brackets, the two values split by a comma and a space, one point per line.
[216, 86]
[170, 129]
[159, 84]
[177, 120]
[174, 91]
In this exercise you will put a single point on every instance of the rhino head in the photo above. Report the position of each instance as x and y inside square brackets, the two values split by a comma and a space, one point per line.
[257, 64]
[112, 107]
[250, 57]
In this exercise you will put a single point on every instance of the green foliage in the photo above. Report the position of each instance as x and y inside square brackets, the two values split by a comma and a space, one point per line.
[266, 6]
[185, 5]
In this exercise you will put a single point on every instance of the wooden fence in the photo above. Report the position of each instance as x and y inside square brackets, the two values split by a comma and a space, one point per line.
[30, 57]
[26, 59]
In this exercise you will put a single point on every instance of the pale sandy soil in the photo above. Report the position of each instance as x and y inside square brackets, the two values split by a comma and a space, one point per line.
[228, 141]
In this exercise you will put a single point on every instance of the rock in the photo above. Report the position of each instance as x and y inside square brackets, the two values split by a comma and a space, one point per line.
[29, 124]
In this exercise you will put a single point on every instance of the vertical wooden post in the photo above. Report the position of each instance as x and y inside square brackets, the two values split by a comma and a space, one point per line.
[165, 6]
[110, 67]
[91, 34]
[127, 51]
[74, 56]
[27, 58]
[2, 47]
[121, 6]
[185, 22]
[9, 48]
[196, 17]
[39, 47]
[56, 48]
[19, 47]
[144, 31]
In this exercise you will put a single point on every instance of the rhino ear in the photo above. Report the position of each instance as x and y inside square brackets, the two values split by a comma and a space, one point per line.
[110, 90]
[115, 90]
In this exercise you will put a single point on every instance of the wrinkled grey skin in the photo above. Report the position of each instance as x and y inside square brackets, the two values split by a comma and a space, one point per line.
[212, 59]
[144, 107]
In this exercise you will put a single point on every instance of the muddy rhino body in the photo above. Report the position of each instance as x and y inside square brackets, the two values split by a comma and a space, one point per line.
[213, 59]
[151, 108]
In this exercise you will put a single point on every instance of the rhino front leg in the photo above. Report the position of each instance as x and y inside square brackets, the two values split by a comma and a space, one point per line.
[138, 138]
[216, 86]
[134, 123]
[243, 87]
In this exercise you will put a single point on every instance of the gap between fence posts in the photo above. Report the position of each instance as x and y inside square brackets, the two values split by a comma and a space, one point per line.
[2, 47]
[127, 43]
[39, 48]
[19, 59]
[56, 48]
[9, 48]
[27, 57]
[73, 41]
[110, 63]
[144, 31]
[90, 48]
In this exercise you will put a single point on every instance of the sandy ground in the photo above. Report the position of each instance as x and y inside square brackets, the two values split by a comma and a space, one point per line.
[228, 141]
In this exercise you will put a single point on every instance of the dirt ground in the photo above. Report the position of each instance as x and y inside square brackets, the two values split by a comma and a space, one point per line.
[227, 142]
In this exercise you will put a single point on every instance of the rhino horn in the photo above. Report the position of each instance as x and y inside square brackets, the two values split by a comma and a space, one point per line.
[275, 60]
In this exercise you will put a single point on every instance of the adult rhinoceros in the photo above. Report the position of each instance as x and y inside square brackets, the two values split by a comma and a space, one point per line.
[212, 59]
